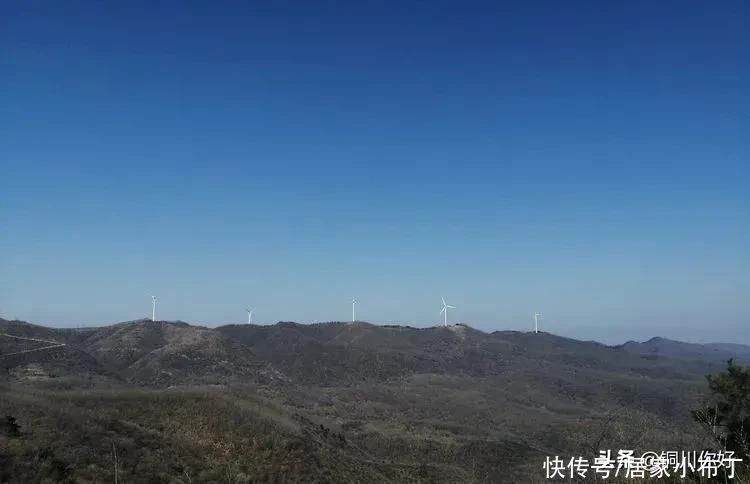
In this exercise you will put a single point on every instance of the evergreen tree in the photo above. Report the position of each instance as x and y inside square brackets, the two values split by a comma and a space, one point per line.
[728, 416]
[10, 427]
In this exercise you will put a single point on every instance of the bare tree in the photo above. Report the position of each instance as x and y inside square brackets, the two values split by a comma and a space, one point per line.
[114, 456]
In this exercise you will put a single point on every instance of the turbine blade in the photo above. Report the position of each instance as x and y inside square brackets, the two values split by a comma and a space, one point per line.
[442, 310]
[452, 307]
[443, 299]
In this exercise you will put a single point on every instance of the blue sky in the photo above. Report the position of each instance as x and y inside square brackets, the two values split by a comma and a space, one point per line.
[585, 159]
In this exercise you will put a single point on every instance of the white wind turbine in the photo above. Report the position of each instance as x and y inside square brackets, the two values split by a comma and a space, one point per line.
[153, 308]
[537, 317]
[354, 303]
[444, 311]
[250, 315]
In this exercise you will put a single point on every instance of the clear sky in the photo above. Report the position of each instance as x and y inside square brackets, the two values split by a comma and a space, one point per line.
[589, 160]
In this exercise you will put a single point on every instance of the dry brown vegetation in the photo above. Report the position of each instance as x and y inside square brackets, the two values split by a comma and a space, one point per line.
[330, 403]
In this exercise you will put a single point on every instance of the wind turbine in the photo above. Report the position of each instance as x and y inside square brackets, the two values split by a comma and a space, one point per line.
[537, 316]
[354, 303]
[444, 312]
[153, 308]
[250, 315]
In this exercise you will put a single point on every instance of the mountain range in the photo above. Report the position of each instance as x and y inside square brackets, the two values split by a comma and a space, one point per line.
[344, 400]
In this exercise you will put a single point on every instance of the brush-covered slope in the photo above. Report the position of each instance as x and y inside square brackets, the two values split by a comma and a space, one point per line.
[334, 353]
[142, 352]
[201, 435]
[173, 353]
[169, 353]
[28, 330]
[34, 353]
[389, 403]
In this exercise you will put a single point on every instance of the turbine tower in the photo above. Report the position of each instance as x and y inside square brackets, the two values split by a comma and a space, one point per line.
[354, 303]
[444, 311]
[536, 322]
[250, 315]
[153, 308]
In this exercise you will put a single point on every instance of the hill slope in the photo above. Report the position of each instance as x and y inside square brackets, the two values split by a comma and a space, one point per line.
[390, 403]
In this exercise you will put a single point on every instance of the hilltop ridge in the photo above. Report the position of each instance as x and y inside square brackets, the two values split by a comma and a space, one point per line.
[170, 353]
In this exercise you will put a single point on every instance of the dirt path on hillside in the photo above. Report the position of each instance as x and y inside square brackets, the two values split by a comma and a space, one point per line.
[52, 344]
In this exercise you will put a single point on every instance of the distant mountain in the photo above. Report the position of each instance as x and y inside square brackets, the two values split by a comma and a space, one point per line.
[739, 351]
[712, 352]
